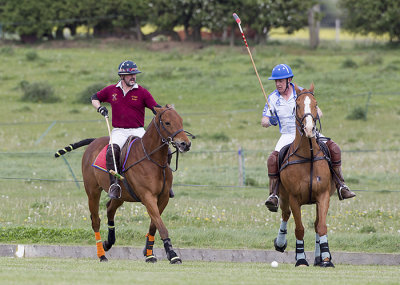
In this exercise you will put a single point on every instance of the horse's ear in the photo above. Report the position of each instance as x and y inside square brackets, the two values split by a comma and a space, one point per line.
[170, 106]
[312, 87]
[296, 88]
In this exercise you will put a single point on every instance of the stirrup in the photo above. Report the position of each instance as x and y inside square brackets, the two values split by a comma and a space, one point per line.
[339, 191]
[109, 191]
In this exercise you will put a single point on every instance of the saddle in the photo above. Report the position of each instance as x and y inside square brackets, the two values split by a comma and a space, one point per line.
[283, 158]
[100, 161]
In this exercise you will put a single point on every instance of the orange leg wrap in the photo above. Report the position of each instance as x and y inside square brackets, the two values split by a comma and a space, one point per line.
[149, 244]
[99, 245]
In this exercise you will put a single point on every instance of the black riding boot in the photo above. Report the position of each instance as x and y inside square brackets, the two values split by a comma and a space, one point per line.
[272, 202]
[114, 192]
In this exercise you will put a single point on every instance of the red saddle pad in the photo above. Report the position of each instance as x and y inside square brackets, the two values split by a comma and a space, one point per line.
[100, 161]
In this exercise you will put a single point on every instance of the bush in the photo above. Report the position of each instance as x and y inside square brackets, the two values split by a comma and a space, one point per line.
[220, 137]
[38, 92]
[84, 96]
[358, 113]
[7, 50]
[349, 63]
[31, 55]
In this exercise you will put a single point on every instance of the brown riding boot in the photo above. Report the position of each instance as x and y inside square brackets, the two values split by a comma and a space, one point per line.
[114, 192]
[343, 191]
[336, 156]
[272, 201]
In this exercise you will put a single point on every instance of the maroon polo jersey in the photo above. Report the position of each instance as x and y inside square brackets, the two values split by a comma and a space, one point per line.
[127, 111]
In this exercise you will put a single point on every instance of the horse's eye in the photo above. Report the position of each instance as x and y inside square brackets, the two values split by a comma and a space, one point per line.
[167, 123]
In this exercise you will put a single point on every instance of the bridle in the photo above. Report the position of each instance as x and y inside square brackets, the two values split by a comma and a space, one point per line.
[300, 126]
[165, 141]
[169, 139]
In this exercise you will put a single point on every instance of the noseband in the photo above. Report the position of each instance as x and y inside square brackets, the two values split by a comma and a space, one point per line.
[170, 137]
[301, 120]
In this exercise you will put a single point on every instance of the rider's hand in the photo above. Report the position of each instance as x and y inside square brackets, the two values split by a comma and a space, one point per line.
[273, 120]
[103, 111]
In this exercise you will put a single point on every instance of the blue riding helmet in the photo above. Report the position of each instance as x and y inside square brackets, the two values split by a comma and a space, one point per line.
[281, 71]
[128, 67]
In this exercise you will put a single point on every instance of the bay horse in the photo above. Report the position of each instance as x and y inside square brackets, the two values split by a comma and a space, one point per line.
[148, 178]
[306, 178]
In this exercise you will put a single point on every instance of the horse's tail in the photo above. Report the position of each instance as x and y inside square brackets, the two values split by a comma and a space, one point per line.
[73, 146]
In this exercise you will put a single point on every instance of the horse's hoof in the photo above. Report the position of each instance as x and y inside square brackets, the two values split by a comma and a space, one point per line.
[103, 258]
[176, 260]
[326, 264]
[301, 262]
[106, 245]
[151, 259]
[280, 248]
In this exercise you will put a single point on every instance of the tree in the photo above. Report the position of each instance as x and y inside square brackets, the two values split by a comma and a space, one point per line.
[30, 19]
[372, 16]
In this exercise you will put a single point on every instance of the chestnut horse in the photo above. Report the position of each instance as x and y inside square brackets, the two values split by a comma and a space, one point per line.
[305, 179]
[148, 178]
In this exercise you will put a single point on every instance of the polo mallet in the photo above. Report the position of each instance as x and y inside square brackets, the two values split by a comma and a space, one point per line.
[112, 172]
[237, 19]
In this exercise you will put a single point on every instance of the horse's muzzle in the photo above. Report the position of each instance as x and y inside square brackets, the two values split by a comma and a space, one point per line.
[183, 146]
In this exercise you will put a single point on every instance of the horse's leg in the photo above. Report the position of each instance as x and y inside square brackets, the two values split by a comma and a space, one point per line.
[148, 248]
[93, 199]
[112, 207]
[321, 230]
[299, 233]
[317, 251]
[155, 209]
[280, 241]
[150, 236]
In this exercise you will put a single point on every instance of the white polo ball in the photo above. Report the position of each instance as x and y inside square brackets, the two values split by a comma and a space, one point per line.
[274, 264]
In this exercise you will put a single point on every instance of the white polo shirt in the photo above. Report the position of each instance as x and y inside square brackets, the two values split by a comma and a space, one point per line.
[286, 114]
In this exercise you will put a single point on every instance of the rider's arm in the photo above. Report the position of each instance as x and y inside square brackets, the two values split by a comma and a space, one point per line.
[95, 101]
[319, 112]
[265, 122]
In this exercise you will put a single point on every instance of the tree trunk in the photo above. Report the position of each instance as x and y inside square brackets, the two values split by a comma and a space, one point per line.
[232, 37]
[139, 35]
[313, 26]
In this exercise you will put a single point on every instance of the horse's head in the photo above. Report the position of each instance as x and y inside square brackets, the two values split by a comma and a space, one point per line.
[306, 111]
[170, 128]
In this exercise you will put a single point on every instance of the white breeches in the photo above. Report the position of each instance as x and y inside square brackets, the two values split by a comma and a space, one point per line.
[119, 135]
[286, 139]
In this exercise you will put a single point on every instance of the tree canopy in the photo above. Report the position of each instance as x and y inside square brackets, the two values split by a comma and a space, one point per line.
[372, 16]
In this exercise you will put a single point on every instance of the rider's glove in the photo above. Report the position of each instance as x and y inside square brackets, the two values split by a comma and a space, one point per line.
[103, 111]
[273, 120]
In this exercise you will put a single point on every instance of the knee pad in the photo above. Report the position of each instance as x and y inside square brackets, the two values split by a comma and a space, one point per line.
[334, 150]
[272, 163]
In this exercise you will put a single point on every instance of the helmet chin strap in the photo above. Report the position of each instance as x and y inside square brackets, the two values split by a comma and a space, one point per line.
[287, 84]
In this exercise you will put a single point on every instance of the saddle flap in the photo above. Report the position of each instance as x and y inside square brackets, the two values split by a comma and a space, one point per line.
[282, 154]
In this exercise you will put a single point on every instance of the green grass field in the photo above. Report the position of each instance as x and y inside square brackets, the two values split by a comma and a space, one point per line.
[215, 90]
[81, 271]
